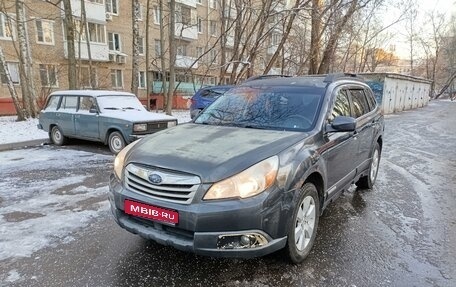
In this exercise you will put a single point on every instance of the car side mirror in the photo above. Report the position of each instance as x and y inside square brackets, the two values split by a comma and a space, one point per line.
[342, 124]
[93, 110]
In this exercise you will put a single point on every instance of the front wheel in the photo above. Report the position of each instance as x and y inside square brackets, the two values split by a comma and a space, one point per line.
[57, 136]
[368, 181]
[116, 142]
[303, 229]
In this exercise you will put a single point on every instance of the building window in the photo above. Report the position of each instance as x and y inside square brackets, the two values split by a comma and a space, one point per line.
[114, 42]
[157, 48]
[111, 6]
[199, 51]
[6, 27]
[181, 50]
[213, 27]
[184, 15]
[213, 55]
[116, 79]
[156, 15]
[13, 69]
[142, 80]
[140, 12]
[97, 1]
[84, 77]
[48, 75]
[97, 33]
[213, 4]
[200, 25]
[275, 39]
[45, 31]
[141, 45]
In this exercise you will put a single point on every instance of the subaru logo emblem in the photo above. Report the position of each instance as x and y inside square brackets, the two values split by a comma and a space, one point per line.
[155, 178]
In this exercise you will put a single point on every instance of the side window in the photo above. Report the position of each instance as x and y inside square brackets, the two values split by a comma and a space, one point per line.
[85, 104]
[370, 99]
[341, 106]
[53, 103]
[69, 103]
[359, 101]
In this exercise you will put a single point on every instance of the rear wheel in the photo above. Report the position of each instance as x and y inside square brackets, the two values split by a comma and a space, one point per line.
[368, 181]
[116, 142]
[57, 136]
[303, 229]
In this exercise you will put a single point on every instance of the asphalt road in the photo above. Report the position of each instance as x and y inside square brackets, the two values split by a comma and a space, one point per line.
[400, 233]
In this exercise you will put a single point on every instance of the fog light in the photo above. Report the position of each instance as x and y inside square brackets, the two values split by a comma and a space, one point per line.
[239, 241]
[245, 240]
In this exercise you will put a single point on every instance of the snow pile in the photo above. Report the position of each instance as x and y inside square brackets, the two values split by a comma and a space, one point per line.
[12, 131]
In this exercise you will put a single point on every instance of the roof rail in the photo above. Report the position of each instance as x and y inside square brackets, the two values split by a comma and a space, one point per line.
[337, 76]
[261, 77]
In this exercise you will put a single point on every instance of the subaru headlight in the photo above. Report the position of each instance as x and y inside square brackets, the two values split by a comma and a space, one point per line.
[172, 124]
[140, 127]
[248, 183]
[120, 159]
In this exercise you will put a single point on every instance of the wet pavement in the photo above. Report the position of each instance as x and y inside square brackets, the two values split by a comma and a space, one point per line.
[400, 233]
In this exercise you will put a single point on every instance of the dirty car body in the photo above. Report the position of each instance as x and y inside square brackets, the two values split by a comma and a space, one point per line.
[254, 171]
[114, 118]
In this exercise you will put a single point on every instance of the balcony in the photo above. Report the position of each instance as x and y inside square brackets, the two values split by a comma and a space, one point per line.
[94, 11]
[186, 32]
[191, 3]
[99, 51]
[186, 62]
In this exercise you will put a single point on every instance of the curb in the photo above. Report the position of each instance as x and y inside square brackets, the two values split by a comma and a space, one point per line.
[17, 145]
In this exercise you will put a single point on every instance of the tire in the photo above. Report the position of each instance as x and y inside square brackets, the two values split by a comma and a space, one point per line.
[303, 228]
[116, 142]
[56, 136]
[368, 181]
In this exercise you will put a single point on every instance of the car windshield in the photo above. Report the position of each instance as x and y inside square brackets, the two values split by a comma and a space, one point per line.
[119, 103]
[277, 107]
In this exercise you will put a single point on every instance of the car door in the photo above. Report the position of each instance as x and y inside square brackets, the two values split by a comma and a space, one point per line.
[65, 114]
[364, 126]
[86, 118]
[339, 148]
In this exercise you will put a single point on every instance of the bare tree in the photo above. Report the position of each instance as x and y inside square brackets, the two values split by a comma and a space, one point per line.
[135, 55]
[69, 32]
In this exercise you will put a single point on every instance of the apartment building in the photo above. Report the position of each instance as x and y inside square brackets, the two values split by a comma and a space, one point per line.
[107, 47]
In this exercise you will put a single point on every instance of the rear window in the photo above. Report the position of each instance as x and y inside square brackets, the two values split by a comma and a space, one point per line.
[69, 103]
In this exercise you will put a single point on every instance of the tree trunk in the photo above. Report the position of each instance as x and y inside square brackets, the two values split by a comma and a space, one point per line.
[92, 75]
[17, 103]
[172, 56]
[148, 80]
[315, 35]
[162, 56]
[69, 29]
[135, 55]
[25, 67]
[334, 37]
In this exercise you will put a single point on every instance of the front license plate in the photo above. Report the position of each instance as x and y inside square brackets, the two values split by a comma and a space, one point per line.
[151, 212]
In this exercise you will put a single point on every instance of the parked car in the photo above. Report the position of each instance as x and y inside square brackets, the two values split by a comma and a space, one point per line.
[204, 97]
[114, 118]
[255, 170]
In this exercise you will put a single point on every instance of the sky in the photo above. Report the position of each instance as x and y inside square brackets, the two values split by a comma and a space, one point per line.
[424, 7]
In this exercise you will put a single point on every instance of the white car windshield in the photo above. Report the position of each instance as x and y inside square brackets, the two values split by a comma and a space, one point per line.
[119, 103]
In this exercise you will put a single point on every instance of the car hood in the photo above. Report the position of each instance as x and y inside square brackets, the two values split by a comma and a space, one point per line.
[210, 152]
[136, 116]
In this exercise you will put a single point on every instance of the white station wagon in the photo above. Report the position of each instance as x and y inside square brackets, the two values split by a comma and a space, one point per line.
[114, 118]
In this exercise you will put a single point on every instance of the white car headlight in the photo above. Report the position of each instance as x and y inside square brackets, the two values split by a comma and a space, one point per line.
[120, 158]
[172, 124]
[248, 183]
[140, 127]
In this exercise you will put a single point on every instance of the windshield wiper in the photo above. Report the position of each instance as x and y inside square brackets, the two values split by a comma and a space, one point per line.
[129, 108]
[111, 108]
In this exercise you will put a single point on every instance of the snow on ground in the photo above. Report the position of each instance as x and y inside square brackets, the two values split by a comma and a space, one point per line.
[12, 131]
[37, 209]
